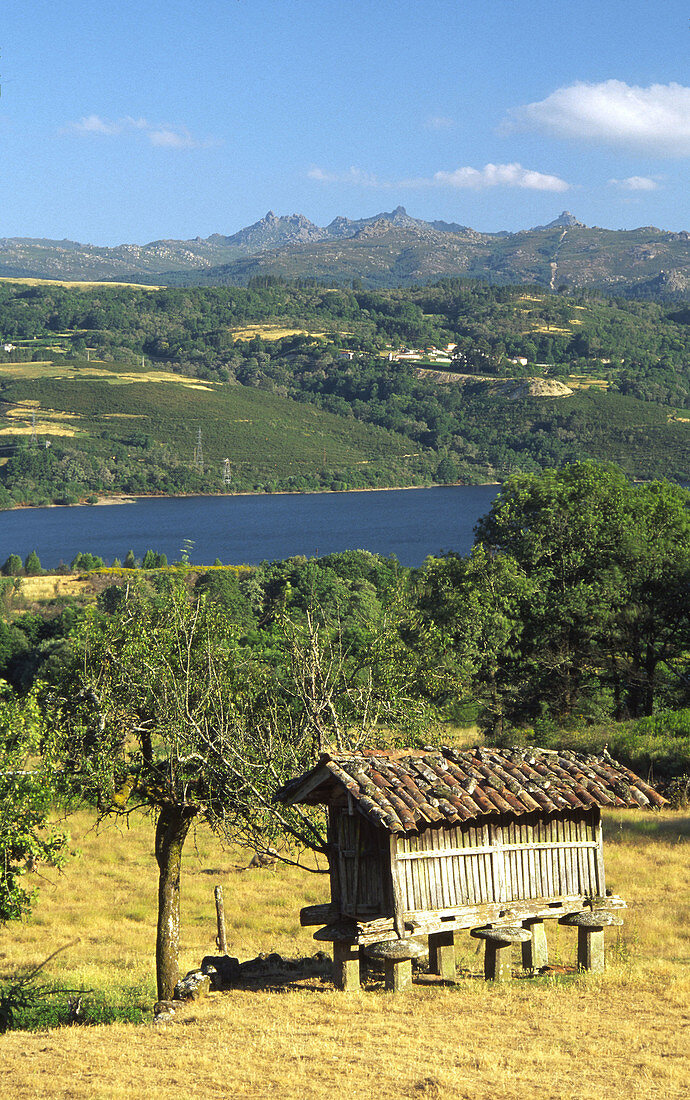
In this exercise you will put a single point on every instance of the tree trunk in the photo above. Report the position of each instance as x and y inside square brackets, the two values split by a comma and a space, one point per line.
[171, 830]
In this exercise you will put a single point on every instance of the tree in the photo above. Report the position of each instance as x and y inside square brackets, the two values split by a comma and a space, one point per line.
[610, 565]
[472, 612]
[84, 562]
[13, 566]
[32, 565]
[165, 708]
[28, 771]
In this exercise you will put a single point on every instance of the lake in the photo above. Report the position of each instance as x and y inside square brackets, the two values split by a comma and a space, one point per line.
[409, 523]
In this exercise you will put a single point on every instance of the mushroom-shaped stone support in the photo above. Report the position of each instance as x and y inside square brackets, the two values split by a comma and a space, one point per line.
[397, 958]
[590, 924]
[499, 940]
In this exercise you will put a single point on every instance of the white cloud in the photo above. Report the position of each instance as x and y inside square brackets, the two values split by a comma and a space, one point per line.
[93, 124]
[169, 138]
[355, 176]
[500, 175]
[161, 135]
[439, 122]
[652, 120]
[476, 179]
[635, 183]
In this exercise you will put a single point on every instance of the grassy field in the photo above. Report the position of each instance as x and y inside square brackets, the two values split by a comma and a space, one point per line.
[115, 374]
[625, 1034]
[78, 283]
[270, 332]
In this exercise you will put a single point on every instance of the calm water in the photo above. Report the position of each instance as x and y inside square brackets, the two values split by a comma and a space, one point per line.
[249, 529]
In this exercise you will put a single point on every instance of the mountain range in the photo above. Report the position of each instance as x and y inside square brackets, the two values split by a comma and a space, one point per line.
[389, 249]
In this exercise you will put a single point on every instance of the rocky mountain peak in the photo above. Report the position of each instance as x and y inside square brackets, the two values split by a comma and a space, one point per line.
[566, 220]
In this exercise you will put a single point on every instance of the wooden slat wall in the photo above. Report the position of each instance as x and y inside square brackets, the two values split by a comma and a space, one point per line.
[509, 860]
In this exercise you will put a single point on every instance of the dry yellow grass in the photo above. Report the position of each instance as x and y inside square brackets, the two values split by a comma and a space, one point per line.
[73, 283]
[115, 375]
[270, 332]
[41, 426]
[582, 382]
[50, 586]
[553, 330]
[625, 1034]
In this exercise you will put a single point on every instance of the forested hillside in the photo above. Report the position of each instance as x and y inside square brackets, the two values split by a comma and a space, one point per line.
[121, 379]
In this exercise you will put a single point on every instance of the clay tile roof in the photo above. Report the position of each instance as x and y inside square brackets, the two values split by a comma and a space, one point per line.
[411, 790]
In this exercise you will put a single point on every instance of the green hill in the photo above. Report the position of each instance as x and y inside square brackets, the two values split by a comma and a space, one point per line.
[140, 436]
[301, 386]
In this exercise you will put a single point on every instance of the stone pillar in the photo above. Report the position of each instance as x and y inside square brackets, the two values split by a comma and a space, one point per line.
[398, 974]
[346, 966]
[590, 949]
[497, 966]
[535, 953]
[442, 955]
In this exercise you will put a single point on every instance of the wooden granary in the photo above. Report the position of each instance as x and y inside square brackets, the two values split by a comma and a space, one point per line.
[494, 841]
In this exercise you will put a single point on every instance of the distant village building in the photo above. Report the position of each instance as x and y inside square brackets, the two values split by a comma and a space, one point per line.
[9, 347]
[497, 842]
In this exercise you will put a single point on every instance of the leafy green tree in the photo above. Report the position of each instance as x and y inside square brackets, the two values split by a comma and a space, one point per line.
[84, 562]
[141, 723]
[471, 613]
[130, 561]
[447, 470]
[13, 566]
[32, 565]
[610, 565]
[165, 706]
[28, 772]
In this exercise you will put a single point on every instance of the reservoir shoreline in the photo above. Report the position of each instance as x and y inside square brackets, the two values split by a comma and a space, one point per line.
[132, 498]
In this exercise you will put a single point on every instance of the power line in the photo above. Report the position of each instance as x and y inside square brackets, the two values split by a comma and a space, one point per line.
[198, 460]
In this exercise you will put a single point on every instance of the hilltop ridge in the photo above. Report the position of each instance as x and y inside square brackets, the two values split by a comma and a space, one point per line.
[390, 248]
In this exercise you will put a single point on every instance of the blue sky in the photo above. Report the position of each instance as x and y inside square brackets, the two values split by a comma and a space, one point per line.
[133, 121]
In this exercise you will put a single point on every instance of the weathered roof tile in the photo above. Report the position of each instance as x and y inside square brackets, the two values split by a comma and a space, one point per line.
[404, 791]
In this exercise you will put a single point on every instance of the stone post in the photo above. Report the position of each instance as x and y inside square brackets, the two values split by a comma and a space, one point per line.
[398, 974]
[497, 966]
[535, 952]
[442, 955]
[346, 966]
[590, 949]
